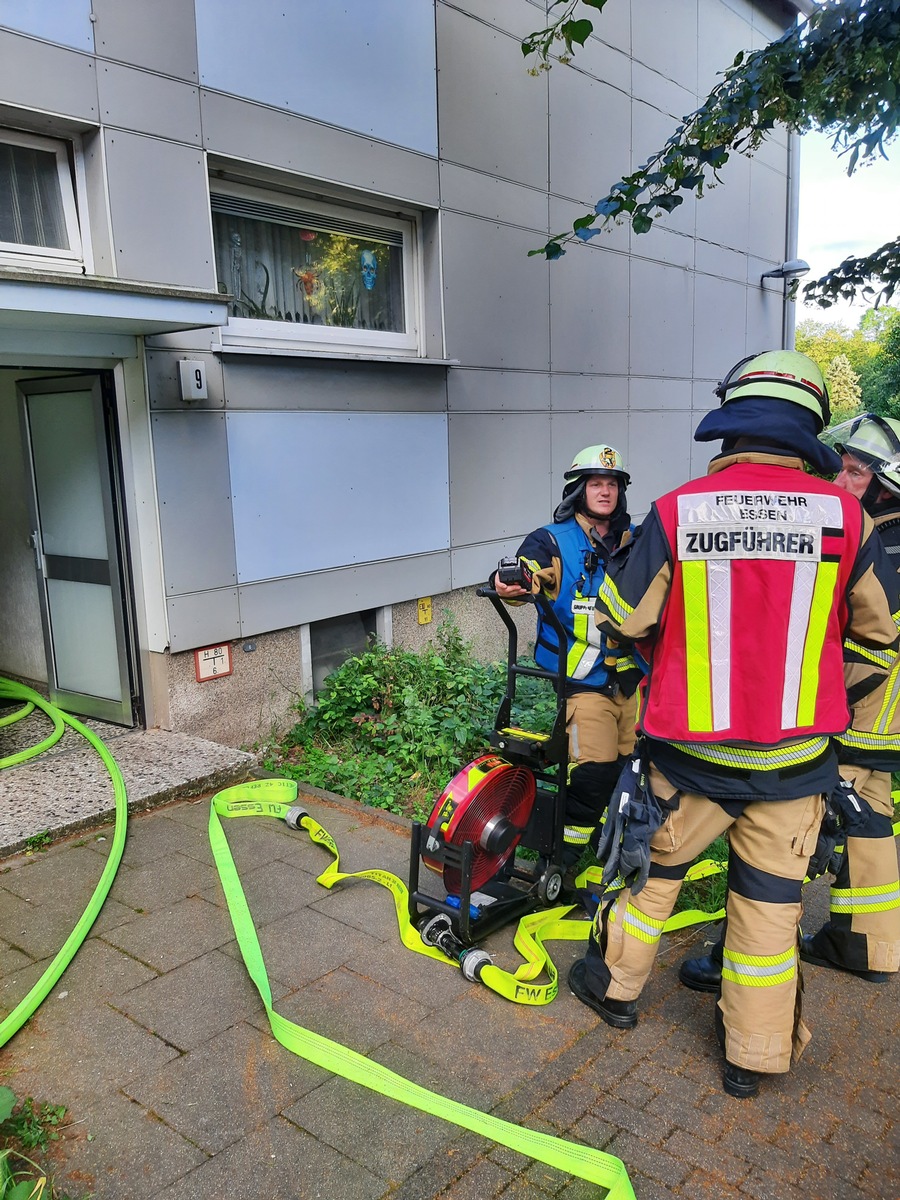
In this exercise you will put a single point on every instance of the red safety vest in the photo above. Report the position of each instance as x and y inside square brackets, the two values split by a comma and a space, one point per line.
[750, 643]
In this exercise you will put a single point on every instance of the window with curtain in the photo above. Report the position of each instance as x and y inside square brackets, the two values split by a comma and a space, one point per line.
[327, 271]
[38, 217]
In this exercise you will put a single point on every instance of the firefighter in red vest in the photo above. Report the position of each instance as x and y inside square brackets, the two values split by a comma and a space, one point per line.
[740, 590]
[862, 935]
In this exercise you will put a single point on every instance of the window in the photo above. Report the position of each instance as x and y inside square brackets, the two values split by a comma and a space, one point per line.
[335, 639]
[306, 271]
[38, 218]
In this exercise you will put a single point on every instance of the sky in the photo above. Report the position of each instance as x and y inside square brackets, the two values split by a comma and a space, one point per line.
[841, 216]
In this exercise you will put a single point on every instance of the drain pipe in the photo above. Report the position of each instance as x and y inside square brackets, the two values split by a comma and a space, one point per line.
[792, 228]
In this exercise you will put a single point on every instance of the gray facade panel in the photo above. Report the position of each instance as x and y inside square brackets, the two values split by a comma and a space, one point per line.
[496, 298]
[471, 566]
[160, 36]
[597, 394]
[315, 491]
[662, 331]
[499, 482]
[484, 195]
[571, 431]
[281, 603]
[664, 37]
[722, 30]
[486, 75]
[48, 78]
[605, 55]
[148, 103]
[203, 619]
[102, 250]
[300, 384]
[587, 155]
[720, 326]
[661, 450]
[65, 21]
[163, 383]
[194, 493]
[614, 27]
[768, 195]
[159, 201]
[493, 391]
[380, 83]
[590, 321]
[253, 133]
[519, 17]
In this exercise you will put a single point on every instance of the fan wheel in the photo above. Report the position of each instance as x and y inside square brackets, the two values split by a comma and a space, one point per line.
[487, 803]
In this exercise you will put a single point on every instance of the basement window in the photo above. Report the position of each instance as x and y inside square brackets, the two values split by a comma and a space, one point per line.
[38, 216]
[336, 639]
[301, 271]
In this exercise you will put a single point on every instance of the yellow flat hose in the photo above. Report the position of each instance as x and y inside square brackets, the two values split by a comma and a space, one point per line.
[274, 798]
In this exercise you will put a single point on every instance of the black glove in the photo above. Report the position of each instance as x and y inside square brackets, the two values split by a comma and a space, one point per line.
[846, 814]
[633, 816]
[853, 811]
[829, 833]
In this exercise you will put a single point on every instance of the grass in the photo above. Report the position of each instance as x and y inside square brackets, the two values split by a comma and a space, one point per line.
[27, 1128]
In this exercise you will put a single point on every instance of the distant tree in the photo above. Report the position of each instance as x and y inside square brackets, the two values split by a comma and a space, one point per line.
[844, 389]
[837, 72]
[874, 321]
[824, 343]
[881, 383]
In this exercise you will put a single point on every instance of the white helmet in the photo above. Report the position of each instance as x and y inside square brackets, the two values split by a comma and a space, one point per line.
[599, 460]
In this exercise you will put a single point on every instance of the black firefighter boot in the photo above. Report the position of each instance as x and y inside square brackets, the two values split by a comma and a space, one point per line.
[704, 974]
[740, 1082]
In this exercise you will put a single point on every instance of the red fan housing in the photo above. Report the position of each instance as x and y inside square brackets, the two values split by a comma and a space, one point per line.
[487, 803]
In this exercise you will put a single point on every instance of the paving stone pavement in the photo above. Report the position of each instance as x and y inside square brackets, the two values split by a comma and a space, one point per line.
[66, 788]
[156, 1041]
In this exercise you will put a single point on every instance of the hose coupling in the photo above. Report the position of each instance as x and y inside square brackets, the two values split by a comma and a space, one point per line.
[294, 816]
[473, 963]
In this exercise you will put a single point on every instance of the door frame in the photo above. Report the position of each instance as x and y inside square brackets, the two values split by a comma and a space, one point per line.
[101, 384]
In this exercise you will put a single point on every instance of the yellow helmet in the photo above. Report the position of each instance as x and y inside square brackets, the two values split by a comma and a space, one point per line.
[779, 375]
[599, 460]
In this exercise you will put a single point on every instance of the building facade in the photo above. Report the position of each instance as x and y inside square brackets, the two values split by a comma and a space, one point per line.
[275, 364]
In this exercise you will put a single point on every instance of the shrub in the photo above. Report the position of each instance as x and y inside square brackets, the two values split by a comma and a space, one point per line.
[393, 726]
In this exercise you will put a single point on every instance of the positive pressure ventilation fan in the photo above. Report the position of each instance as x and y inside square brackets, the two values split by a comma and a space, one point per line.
[487, 803]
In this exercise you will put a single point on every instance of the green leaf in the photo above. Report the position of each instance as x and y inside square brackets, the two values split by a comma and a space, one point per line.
[641, 222]
[27, 1189]
[7, 1103]
[576, 31]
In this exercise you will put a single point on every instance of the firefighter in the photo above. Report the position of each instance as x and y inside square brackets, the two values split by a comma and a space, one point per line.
[567, 560]
[742, 586]
[862, 935]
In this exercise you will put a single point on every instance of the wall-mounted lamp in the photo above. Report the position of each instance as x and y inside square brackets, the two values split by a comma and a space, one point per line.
[792, 269]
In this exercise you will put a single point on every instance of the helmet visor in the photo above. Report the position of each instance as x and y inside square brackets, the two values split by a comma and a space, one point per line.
[869, 439]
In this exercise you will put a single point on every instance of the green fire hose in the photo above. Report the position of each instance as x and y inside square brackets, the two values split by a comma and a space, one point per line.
[10, 690]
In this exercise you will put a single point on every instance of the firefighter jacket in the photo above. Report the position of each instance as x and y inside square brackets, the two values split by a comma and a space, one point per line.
[744, 586]
[568, 561]
[873, 739]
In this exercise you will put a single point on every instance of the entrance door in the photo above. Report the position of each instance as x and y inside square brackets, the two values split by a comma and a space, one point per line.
[76, 524]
